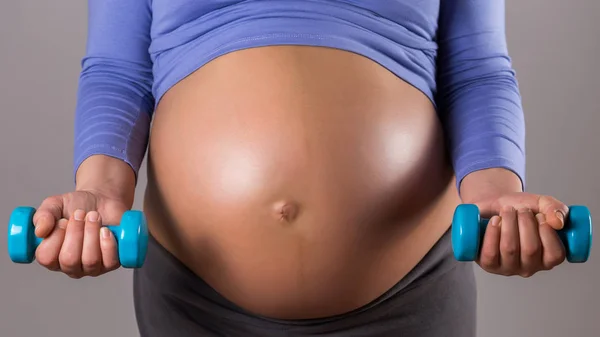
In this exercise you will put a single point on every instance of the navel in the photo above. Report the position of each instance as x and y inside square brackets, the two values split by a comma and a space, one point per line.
[286, 211]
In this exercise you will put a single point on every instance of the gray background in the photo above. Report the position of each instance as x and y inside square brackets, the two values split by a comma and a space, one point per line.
[555, 46]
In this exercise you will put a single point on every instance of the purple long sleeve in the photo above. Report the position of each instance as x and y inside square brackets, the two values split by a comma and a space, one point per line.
[454, 51]
[115, 101]
[478, 96]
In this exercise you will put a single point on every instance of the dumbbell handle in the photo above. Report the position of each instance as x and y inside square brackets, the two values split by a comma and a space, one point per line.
[131, 237]
[115, 229]
[562, 234]
[576, 235]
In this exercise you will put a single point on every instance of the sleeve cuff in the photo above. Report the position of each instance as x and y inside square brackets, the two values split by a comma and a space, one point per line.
[499, 162]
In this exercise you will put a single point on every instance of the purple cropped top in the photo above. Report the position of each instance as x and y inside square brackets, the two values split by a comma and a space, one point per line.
[454, 51]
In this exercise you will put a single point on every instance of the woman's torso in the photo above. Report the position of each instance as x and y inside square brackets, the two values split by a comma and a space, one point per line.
[298, 182]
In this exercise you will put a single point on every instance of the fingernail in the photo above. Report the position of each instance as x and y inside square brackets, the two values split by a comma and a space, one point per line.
[508, 209]
[79, 214]
[92, 216]
[496, 221]
[560, 215]
[541, 218]
[105, 233]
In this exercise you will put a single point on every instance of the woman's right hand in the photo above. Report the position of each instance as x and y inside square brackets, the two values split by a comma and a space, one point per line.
[75, 242]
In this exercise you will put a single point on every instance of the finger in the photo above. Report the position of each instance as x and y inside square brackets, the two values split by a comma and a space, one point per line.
[489, 259]
[47, 252]
[108, 245]
[70, 254]
[554, 210]
[47, 215]
[530, 243]
[509, 241]
[91, 257]
[553, 250]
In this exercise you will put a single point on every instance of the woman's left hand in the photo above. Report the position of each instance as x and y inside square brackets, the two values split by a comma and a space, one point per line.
[521, 237]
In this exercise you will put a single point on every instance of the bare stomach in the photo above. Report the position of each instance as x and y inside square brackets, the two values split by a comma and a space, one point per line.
[298, 182]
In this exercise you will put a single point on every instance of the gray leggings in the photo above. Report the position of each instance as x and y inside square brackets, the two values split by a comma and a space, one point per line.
[436, 299]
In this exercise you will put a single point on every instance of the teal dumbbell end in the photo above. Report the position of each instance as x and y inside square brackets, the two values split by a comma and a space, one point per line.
[131, 235]
[577, 234]
[468, 230]
[21, 238]
[132, 238]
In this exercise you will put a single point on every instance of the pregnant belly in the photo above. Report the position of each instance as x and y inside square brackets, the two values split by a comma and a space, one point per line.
[298, 182]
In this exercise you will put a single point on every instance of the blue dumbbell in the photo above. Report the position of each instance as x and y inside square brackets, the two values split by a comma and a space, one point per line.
[131, 235]
[468, 230]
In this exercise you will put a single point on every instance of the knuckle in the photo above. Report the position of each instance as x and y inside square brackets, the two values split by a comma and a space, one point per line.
[112, 265]
[52, 204]
[67, 198]
[488, 258]
[485, 264]
[547, 201]
[555, 257]
[94, 272]
[531, 251]
[69, 259]
[90, 263]
[56, 207]
[46, 260]
[509, 249]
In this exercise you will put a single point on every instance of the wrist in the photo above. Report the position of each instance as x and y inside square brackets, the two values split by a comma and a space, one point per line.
[488, 183]
[108, 176]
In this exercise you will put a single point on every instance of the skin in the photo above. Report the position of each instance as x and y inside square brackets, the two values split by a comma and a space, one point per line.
[311, 212]
[522, 238]
[363, 206]
[70, 223]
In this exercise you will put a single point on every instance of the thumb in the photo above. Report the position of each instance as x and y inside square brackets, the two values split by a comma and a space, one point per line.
[488, 207]
[554, 211]
[47, 215]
